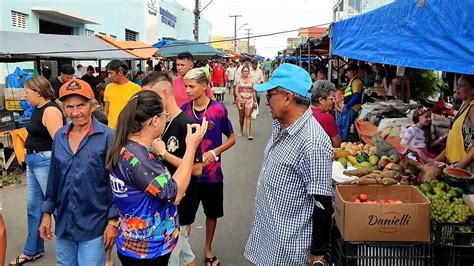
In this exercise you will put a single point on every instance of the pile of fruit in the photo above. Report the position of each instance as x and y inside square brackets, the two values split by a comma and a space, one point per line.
[388, 170]
[363, 198]
[446, 202]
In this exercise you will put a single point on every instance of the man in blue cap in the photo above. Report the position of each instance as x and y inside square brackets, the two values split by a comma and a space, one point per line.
[293, 207]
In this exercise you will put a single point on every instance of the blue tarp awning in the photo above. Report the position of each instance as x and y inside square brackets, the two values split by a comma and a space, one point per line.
[199, 50]
[438, 35]
[162, 43]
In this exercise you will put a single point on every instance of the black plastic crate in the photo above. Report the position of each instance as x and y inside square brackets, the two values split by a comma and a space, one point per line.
[453, 235]
[453, 256]
[7, 121]
[346, 253]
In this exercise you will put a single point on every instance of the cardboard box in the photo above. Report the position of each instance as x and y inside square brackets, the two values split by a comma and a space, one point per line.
[469, 201]
[409, 221]
[14, 94]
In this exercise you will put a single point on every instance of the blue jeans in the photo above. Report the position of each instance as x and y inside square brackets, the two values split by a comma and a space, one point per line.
[37, 171]
[83, 253]
[344, 122]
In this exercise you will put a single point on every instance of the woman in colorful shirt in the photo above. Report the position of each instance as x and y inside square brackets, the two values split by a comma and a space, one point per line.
[246, 98]
[144, 192]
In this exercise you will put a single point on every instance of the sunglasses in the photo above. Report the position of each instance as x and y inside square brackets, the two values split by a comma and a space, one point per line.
[270, 95]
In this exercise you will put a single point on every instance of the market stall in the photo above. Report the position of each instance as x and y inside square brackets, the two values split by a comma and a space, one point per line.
[19, 48]
[429, 34]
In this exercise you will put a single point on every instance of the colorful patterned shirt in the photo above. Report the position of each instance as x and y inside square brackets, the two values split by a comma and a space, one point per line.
[219, 124]
[144, 193]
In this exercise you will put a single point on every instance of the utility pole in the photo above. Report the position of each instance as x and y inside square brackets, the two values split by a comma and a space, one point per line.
[248, 40]
[197, 14]
[235, 30]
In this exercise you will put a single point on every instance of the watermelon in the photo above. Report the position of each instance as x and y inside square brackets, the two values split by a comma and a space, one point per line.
[456, 176]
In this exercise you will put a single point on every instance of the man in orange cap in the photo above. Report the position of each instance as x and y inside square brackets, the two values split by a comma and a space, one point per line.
[78, 191]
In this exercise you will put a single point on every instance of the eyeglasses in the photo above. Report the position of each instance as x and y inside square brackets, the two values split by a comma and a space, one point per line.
[166, 115]
[270, 95]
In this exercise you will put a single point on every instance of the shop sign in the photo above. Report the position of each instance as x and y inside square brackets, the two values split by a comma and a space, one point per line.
[168, 18]
[152, 10]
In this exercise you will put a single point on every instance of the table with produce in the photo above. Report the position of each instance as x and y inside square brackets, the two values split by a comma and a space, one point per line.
[370, 170]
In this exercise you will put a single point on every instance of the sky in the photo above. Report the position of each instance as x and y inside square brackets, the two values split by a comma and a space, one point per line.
[263, 17]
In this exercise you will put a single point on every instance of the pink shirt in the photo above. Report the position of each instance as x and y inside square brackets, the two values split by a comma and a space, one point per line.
[326, 120]
[180, 91]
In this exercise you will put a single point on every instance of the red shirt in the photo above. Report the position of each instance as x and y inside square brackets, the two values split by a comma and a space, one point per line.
[326, 120]
[218, 76]
[180, 91]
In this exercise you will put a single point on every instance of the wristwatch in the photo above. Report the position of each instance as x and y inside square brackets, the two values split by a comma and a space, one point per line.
[161, 154]
[115, 223]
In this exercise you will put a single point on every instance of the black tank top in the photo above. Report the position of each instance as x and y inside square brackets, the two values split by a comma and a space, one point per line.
[38, 135]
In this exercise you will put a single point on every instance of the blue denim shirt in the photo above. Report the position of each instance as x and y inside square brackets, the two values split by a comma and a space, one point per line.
[78, 192]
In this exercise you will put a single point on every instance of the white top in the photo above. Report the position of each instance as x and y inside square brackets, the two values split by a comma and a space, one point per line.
[230, 72]
[257, 75]
[414, 137]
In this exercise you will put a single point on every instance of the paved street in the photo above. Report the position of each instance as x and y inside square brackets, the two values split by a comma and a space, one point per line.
[241, 167]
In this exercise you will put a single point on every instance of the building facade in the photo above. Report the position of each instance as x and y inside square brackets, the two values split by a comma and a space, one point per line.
[148, 21]
[142, 20]
[343, 9]
[226, 43]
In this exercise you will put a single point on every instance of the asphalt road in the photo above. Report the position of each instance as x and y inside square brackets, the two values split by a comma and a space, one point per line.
[241, 168]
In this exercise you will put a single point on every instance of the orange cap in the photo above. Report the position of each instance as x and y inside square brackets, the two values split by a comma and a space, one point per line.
[76, 87]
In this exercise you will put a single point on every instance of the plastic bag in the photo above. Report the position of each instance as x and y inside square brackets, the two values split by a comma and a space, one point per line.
[255, 112]
[383, 147]
[18, 78]
[27, 109]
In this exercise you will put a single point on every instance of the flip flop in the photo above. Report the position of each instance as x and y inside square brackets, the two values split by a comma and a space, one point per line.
[250, 138]
[25, 259]
[211, 261]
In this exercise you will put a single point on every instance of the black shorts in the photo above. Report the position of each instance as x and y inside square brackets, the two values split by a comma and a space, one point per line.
[212, 197]
[186, 208]
[128, 261]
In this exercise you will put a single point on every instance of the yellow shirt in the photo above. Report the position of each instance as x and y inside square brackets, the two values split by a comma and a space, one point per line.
[118, 96]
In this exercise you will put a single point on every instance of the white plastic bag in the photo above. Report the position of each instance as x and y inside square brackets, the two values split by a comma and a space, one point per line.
[254, 112]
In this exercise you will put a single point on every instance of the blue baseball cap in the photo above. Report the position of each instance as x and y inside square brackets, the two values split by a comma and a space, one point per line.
[289, 77]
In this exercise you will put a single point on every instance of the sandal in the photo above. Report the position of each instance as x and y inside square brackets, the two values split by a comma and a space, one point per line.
[23, 259]
[250, 138]
[212, 260]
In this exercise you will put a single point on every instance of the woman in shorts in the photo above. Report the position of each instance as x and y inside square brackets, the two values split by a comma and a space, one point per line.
[246, 98]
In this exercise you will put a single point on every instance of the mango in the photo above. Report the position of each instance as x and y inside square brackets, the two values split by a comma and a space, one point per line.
[373, 159]
[352, 160]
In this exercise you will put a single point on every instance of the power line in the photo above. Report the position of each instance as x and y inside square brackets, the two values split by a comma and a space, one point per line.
[177, 45]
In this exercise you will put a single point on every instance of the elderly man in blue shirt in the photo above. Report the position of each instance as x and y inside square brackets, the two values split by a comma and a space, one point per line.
[293, 208]
[78, 191]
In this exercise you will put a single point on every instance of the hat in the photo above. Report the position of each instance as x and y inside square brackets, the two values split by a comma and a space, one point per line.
[289, 77]
[76, 87]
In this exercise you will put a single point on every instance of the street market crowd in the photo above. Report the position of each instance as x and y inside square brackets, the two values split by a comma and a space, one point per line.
[126, 160]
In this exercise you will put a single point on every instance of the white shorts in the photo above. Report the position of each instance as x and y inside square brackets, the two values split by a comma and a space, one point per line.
[182, 253]
[218, 90]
